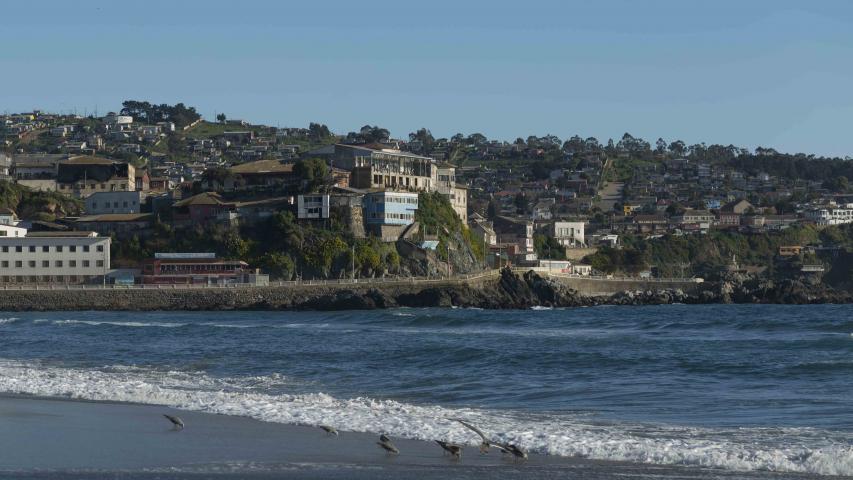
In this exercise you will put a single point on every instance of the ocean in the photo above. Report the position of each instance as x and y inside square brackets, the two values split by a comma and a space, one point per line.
[734, 387]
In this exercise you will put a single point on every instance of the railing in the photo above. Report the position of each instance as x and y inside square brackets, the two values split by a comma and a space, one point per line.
[455, 279]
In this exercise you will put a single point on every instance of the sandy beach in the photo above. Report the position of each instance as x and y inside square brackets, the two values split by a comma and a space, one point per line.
[55, 438]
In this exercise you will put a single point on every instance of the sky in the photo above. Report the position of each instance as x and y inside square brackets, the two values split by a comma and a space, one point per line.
[773, 73]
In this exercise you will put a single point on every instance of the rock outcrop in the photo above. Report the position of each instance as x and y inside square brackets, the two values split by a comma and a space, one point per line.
[509, 291]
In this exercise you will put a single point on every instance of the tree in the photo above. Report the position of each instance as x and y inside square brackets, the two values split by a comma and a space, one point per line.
[318, 131]
[278, 265]
[425, 137]
[837, 184]
[492, 210]
[660, 146]
[220, 118]
[312, 171]
[677, 148]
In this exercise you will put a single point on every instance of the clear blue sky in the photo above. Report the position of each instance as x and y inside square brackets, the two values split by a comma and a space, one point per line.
[772, 73]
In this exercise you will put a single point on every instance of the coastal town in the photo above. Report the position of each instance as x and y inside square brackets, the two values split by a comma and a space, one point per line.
[156, 194]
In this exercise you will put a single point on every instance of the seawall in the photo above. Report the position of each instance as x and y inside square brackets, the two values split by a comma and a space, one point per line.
[505, 289]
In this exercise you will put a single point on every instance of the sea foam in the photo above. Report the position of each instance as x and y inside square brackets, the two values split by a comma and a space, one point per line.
[791, 450]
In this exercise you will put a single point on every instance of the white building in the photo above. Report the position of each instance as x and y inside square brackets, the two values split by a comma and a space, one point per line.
[830, 216]
[100, 203]
[8, 230]
[445, 184]
[8, 217]
[313, 206]
[568, 234]
[54, 257]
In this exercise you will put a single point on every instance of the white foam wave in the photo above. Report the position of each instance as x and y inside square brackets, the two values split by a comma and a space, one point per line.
[6, 321]
[791, 450]
[118, 324]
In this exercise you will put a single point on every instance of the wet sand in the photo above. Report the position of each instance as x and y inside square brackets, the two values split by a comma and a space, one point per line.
[53, 438]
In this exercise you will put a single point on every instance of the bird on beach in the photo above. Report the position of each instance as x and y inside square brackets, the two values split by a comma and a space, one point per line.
[454, 450]
[517, 452]
[176, 421]
[486, 443]
[385, 443]
[329, 430]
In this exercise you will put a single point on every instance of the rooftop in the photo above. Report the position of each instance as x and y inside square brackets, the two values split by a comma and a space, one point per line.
[62, 234]
[263, 166]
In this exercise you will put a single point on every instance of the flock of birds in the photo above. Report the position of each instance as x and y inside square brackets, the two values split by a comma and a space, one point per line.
[452, 449]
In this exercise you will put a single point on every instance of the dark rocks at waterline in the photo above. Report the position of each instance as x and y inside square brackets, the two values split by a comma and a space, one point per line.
[509, 290]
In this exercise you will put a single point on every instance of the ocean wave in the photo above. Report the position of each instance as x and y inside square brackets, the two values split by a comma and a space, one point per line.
[782, 449]
[116, 323]
[6, 321]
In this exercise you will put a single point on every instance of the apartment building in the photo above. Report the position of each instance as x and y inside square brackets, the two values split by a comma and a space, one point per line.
[54, 258]
[377, 167]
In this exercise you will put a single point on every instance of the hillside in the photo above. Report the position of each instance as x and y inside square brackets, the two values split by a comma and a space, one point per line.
[34, 205]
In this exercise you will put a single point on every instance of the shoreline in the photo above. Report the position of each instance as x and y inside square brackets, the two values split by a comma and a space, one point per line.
[507, 291]
[63, 438]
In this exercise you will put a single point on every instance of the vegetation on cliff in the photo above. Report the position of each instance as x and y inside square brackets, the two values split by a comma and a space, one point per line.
[36, 205]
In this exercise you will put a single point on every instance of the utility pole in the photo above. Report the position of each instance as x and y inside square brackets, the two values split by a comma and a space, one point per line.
[353, 261]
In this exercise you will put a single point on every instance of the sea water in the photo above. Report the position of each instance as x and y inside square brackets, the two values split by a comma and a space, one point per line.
[757, 387]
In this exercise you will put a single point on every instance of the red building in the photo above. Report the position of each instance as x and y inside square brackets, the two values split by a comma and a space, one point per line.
[193, 268]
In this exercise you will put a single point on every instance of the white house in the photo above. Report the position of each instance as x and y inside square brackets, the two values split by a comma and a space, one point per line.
[312, 206]
[568, 234]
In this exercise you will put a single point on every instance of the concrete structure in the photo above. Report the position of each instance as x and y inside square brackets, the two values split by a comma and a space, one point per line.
[445, 184]
[55, 258]
[568, 234]
[374, 166]
[113, 202]
[83, 176]
[312, 206]
[390, 208]
[261, 174]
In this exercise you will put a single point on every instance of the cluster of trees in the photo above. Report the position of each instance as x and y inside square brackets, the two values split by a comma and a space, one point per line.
[369, 134]
[146, 112]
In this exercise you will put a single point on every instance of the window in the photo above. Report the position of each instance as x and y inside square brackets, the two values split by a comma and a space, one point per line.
[5, 264]
[19, 264]
[99, 263]
[32, 264]
[85, 263]
[45, 263]
[58, 263]
[100, 248]
[72, 263]
[72, 248]
[45, 249]
[85, 248]
[19, 248]
[5, 249]
[59, 248]
[32, 248]
[94, 205]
